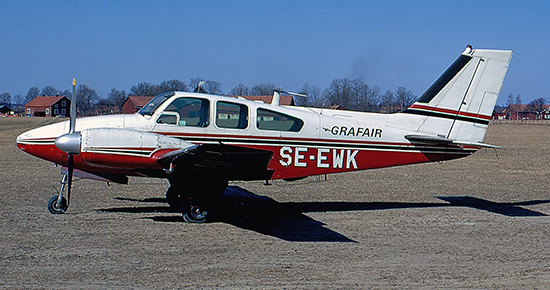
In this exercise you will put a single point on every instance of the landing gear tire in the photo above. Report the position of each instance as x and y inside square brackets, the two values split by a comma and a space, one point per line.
[193, 214]
[55, 207]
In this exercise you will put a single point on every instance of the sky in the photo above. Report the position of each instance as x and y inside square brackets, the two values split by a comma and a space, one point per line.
[118, 44]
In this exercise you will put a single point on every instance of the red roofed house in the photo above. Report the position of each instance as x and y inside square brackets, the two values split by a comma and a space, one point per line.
[523, 112]
[134, 104]
[43, 106]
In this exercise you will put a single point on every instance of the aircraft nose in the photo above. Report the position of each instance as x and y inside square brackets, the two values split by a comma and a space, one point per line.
[22, 139]
[69, 143]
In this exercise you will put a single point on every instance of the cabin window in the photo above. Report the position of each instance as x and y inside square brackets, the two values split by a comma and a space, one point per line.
[275, 121]
[63, 103]
[63, 112]
[47, 111]
[168, 118]
[192, 111]
[231, 115]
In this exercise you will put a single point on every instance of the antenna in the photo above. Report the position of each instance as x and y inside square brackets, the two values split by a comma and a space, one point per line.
[277, 96]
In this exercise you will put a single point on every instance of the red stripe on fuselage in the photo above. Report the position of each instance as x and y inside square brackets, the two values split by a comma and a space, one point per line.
[450, 112]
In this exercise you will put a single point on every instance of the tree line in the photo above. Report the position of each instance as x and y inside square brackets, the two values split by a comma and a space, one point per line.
[536, 106]
[350, 94]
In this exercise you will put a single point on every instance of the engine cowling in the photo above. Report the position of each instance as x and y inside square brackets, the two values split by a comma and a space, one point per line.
[124, 148]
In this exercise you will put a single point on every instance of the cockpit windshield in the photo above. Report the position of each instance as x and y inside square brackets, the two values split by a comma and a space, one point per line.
[152, 106]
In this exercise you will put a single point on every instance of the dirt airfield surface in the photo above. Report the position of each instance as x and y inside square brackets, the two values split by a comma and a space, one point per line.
[478, 222]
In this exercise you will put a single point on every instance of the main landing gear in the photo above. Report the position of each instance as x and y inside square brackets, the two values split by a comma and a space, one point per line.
[58, 204]
[194, 197]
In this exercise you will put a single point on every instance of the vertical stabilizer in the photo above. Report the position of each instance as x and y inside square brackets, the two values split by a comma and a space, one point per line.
[460, 103]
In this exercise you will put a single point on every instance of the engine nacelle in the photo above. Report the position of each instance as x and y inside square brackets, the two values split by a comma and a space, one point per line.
[125, 149]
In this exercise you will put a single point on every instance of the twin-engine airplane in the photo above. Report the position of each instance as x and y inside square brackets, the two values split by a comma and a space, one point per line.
[199, 142]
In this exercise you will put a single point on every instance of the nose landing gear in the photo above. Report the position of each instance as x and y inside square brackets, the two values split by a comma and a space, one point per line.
[58, 204]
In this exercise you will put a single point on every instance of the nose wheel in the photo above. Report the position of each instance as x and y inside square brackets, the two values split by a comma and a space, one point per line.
[57, 205]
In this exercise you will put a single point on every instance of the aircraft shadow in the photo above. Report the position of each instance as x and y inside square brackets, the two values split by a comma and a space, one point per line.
[287, 220]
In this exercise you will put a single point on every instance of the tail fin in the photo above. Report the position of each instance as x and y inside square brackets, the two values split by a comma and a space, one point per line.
[459, 105]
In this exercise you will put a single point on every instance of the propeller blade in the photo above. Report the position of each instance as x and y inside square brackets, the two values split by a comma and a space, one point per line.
[72, 113]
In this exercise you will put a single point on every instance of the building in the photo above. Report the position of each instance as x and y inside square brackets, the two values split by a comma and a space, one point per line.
[48, 106]
[499, 113]
[134, 104]
[4, 110]
[525, 112]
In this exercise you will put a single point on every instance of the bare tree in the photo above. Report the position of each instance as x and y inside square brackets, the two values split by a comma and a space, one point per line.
[117, 97]
[67, 94]
[213, 87]
[86, 99]
[208, 87]
[352, 94]
[404, 98]
[17, 102]
[18, 99]
[314, 96]
[31, 94]
[510, 100]
[173, 85]
[262, 89]
[537, 106]
[518, 100]
[5, 99]
[240, 90]
[341, 92]
[387, 102]
[373, 99]
[49, 91]
[367, 97]
[145, 89]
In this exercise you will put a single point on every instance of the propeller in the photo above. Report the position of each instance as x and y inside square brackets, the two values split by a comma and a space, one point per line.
[70, 143]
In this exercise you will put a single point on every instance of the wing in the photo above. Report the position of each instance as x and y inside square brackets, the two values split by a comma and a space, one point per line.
[229, 162]
[444, 141]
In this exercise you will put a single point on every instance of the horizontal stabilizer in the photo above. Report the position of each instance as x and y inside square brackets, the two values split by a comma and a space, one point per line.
[444, 141]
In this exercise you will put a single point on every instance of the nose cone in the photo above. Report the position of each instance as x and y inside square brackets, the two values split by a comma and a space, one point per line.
[33, 138]
[20, 141]
[69, 143]
[40, 141]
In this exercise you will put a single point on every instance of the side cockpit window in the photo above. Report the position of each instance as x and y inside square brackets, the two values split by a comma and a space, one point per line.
[275, 121]
[193, 112]
[231, 115]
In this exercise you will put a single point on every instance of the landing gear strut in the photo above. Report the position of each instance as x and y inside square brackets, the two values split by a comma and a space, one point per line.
[194, 196]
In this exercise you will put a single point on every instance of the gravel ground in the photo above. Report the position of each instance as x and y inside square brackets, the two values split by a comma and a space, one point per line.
[477, 222]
